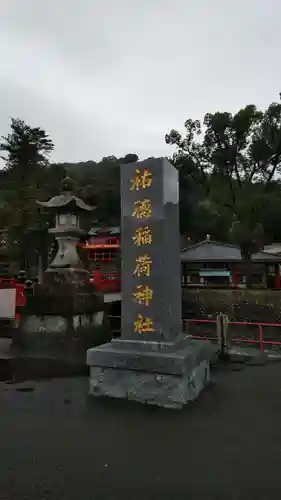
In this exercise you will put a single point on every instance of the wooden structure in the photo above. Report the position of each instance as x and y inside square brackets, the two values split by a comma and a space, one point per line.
[214, 264]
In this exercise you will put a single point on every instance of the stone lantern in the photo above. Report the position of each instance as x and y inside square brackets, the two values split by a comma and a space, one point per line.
[67, 209]
[65, 315]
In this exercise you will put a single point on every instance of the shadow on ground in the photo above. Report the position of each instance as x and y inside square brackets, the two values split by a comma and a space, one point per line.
[58, 444]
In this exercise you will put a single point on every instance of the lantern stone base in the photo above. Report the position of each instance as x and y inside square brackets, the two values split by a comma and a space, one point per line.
[64, 338]
[158, 376]
[63, 319]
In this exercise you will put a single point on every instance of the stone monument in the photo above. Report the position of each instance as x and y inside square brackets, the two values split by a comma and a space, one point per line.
[153, 362]
[65, 316]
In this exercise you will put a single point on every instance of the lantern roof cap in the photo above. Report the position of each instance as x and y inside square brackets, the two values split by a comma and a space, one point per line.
[66, 198]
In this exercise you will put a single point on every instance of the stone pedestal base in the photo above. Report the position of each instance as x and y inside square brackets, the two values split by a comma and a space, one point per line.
[63, 338]
[168, 378]
[63, 319]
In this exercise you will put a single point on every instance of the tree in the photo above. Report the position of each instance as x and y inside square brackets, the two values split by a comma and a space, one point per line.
[128, 158]
[25, 146]
[233, 158]
[250, 241]
[206, 218]
[26, 159]
[240, 149]
[101, 187]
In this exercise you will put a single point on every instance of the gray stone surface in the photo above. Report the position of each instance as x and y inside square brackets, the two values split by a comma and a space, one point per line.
[62, 337]
[177, 362]
[155, 365]
[67, 255]
[165, 307]
[65, 292]
[169, 391]
[145, 345]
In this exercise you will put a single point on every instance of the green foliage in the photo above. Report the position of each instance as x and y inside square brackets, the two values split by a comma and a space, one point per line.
[25, 146]
[99, 185]
[229, 172]
[26, 160]
[235, 162]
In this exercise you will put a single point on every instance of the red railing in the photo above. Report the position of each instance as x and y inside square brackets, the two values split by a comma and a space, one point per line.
[5, 282]
[260, 341]
[107, 282]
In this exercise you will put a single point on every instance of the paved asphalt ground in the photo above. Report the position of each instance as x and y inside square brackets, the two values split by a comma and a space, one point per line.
[58, 444]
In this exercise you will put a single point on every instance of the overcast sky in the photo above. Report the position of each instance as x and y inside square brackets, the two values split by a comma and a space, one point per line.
[109, 77]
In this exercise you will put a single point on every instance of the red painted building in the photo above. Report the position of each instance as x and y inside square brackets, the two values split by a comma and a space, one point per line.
[103, 248]
[206, 264]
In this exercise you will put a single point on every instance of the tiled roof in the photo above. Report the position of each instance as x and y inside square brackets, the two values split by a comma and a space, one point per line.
[63, 200]
[208, 250]
[100, 230]
[266, 256]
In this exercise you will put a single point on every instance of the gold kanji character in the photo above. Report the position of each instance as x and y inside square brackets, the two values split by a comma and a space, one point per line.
[143, 295]
[143, 325]
[143, 263]
[141, 180]
[143, 236]
[142, 209]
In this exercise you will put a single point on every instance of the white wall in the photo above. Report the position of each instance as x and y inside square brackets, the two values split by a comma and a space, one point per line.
[7, 303]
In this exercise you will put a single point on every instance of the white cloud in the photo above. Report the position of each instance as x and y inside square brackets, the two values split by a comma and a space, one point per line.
[113, 77]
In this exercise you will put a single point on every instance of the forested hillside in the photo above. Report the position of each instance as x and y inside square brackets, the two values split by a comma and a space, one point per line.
[229, 172]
